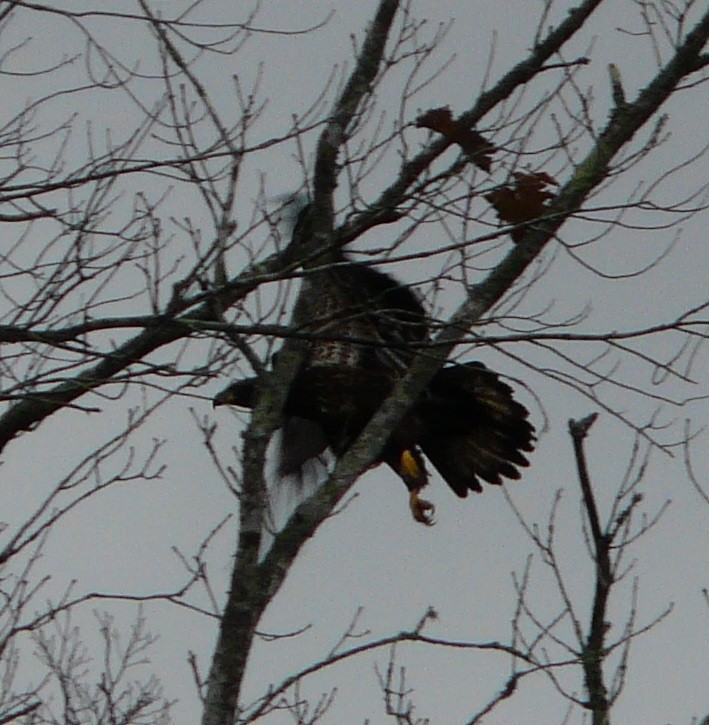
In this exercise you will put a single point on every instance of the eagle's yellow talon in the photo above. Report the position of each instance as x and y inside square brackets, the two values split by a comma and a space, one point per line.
[423, 511]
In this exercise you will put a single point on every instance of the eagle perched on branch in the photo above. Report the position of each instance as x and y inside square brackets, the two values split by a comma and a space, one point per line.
[366, 328]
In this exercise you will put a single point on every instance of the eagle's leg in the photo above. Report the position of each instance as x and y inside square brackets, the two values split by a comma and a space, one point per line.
[412, 470]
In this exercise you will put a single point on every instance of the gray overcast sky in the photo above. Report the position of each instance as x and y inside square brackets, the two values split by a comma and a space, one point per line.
[372, 555]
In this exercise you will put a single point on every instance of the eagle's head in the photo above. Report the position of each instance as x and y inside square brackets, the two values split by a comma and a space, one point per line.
[241, 394]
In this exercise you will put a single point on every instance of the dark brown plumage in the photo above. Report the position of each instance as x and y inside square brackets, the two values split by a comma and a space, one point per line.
[466, 423]
[367, 328]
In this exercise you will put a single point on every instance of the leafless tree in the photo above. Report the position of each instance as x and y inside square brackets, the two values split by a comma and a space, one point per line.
[119, 304]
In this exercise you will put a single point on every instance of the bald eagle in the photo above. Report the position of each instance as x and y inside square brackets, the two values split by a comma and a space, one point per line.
[364, 329]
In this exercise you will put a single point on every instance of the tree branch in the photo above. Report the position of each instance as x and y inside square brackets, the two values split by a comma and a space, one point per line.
[252, 586]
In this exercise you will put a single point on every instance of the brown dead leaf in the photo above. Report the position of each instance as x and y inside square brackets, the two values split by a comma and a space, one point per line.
[478, 149]
[522, 200]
